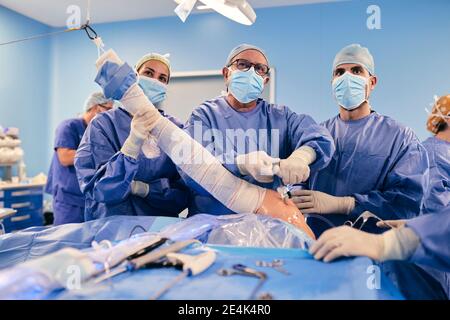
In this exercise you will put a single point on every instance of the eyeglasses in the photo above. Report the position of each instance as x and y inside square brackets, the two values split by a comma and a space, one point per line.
[245, 65]
[104, 107]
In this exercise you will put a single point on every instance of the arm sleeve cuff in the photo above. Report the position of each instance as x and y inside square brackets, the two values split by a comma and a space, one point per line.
[399, 244]
[307, 153]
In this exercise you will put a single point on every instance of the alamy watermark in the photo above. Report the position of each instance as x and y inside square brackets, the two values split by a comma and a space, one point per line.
[374, 20]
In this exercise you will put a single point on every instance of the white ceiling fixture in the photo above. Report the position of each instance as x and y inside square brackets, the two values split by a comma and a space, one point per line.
[236, 10]
[54, 13]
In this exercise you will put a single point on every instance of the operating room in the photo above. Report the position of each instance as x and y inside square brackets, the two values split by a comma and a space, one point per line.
[222, 149]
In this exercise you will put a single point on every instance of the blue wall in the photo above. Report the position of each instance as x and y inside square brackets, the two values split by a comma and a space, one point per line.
[24, 86]
[411, 54]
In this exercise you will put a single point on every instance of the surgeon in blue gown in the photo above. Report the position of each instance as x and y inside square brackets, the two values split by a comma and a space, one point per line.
[379, 165]
[437, 198]
[420, 241]
[265, 144]
[438, 147]
[62, 184]
[117, 184]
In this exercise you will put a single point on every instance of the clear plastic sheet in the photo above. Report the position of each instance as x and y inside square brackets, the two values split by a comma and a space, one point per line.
[66, 268]
[244, 230]
[36, 278]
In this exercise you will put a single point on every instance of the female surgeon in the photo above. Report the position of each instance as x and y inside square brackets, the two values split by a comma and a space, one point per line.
[120, 169]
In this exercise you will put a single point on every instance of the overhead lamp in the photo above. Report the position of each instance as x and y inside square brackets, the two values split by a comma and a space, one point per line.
[236, 10]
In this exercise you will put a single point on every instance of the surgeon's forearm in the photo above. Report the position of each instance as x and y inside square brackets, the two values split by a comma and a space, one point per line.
[305, 153]
[387, 205]
[66, 156]
[119, 171]
[399, 244]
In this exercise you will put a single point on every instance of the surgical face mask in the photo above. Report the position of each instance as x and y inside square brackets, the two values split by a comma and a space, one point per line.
[246, 86]
[438, 113]
[350, 90]
[155, 90]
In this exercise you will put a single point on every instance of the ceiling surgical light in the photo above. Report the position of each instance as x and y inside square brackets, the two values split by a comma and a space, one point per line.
[236, 10]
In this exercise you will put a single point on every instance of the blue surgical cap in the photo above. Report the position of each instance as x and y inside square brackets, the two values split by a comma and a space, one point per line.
[244, 47]
[95, 99]
[356, 54]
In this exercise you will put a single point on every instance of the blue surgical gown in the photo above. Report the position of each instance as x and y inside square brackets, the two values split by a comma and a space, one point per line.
[105, 174]
[438, 194]
[380, 163]
[274, 129]
[426, 275]
[434, 234]
[62, 184]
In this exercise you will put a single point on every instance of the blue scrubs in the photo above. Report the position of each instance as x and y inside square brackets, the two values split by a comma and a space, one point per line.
[105, 174]
[379, 162]
[438, 195]
[271, 128]
[68, 201]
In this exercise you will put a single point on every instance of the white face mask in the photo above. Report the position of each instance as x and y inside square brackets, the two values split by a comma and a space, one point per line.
[350, 91]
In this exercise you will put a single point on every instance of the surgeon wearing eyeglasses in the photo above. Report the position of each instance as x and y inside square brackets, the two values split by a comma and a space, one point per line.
[265, 144]
[62, 183]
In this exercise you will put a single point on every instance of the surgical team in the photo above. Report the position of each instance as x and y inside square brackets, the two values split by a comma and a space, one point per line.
[106, 162]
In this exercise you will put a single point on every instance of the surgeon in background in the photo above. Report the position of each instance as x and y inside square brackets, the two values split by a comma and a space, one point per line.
[265, 144]
[437, 198]
[62, 184]
[120, 169]
[438, 147]
[379, 165]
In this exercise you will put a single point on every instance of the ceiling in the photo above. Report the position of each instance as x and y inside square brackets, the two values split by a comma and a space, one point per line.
[53, 12]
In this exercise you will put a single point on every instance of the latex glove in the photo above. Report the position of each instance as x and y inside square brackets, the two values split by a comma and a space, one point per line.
[345, 242]
[395, 244]
[309, 201]
[295, 169]
[257, 164]
[141, 125]
[139, 188]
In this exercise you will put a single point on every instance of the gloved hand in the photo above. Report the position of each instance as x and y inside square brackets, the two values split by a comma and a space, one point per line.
[257, 164]
[141, 125]
[346, 241]
[139, 188]
[395, 244]
[309, 201]
[295, 169]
